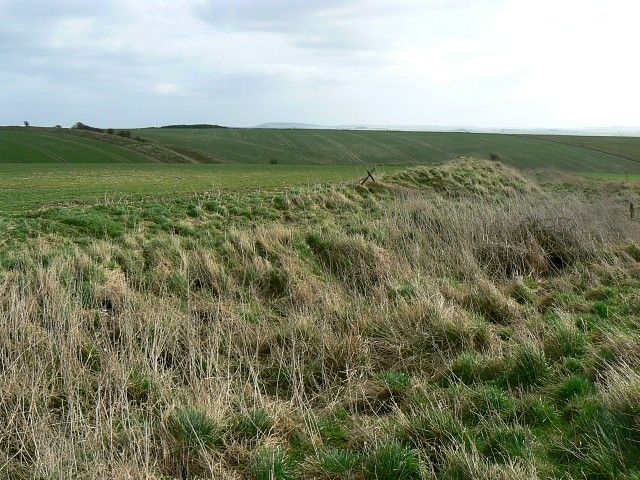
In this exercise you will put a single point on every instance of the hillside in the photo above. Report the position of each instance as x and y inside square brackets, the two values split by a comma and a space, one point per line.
[625, 147]
[36, 145]
[291, 146]
[611, 155]
[75, 146]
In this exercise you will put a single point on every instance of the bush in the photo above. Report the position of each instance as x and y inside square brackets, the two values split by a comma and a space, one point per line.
[124, 133]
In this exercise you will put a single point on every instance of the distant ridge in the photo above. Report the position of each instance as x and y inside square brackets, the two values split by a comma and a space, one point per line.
[306, 126]
[588, 131]
[196, 125]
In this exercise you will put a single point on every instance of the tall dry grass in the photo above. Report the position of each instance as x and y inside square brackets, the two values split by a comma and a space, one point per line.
[149, 358]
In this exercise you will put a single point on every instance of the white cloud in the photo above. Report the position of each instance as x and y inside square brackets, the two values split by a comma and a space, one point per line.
[483, 62]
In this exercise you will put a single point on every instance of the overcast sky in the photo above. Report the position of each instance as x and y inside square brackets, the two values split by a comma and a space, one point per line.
[505, 63]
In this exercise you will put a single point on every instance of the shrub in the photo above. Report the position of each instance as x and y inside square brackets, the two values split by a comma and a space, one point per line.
[273, 161]
[124, 133]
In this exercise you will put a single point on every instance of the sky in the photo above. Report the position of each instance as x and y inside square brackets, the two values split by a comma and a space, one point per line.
[482, 63]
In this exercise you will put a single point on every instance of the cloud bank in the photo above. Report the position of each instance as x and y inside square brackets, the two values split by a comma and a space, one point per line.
[511, 63]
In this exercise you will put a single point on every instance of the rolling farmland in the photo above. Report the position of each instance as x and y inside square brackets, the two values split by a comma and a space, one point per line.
[406, 148]
[40, 146]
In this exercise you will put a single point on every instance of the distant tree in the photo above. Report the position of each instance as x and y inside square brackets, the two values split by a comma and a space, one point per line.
[110, 131]
[58, 127]
[125, 133]
[26, 124]
[273, 161]
[82, 126]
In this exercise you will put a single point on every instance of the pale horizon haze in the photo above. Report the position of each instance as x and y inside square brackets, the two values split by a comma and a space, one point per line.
[482, 63]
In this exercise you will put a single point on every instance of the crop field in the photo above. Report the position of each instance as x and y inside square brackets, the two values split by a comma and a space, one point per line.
[24, 186]
[405, 148]
[39, 146]
[625, 147]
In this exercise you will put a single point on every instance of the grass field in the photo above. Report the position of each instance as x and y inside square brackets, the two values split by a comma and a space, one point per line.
[625, 147]
[450, 322]
[24, 186]
[39, 146]
[382, 147]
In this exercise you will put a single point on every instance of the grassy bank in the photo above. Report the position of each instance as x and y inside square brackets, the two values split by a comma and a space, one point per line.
[449, 322]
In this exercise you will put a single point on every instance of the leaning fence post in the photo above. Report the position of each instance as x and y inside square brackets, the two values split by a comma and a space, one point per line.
[369, 176]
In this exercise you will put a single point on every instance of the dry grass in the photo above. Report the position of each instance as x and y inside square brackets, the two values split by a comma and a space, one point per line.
[409, 336]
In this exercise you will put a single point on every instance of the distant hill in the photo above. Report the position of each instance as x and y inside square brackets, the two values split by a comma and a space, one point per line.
[591, 131]
[308, 126]
[196, 125]
[375, 147]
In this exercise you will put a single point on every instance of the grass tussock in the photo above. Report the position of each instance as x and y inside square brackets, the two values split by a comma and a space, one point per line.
[451, 322]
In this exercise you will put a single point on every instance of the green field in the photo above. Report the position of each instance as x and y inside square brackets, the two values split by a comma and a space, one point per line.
[46, 166]
[40, 146]
[625, 147]
[27, 186]
[394, 147]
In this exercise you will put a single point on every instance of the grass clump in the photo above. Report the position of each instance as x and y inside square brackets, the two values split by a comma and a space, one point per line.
[253, 425]
[472, 367]
[392, 461]
[526, 366]
[505, 443]
[193, 430]
[337, 464]
[272, 464]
